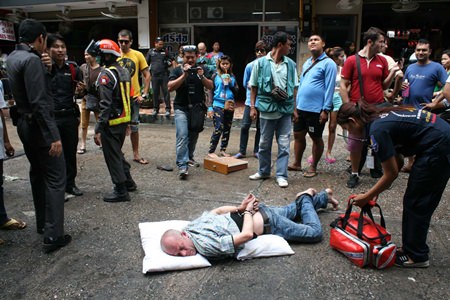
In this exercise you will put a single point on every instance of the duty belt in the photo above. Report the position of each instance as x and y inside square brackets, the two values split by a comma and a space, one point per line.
[64, 112]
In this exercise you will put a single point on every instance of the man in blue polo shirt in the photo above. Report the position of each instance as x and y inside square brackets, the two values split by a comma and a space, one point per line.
[314, 100]
[423, 76]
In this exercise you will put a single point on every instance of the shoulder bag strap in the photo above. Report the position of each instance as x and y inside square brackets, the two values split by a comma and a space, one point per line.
[358, 69]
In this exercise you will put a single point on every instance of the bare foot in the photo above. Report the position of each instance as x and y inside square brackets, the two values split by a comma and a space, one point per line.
[309, 191]
[331, 199]
[224, 154]
[213, 155]
[406, 169]
[295, 167]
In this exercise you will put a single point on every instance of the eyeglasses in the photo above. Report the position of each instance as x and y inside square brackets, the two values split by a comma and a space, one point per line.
[126, 42]
[260, 50]
[189, 48]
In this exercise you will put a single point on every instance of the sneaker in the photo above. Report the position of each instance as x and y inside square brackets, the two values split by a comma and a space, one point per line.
[193, 163]
[282, 183]
[258, 176]
[239, 155]
[183, 173]
[154, 113]
[402, 260]
[353, 181]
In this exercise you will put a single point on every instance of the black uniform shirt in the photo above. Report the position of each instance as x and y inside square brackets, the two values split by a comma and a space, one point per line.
[63, 85]
[409, 133]
[159, 62]
[181, 100]
[30, 85]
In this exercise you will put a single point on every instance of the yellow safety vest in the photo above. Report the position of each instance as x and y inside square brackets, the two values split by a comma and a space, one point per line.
[125, 85]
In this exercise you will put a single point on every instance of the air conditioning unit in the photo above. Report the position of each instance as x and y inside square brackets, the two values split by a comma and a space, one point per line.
[215, 13]
[195, 13]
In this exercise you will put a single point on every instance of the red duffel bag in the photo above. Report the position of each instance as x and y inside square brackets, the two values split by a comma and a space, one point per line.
[361, 239]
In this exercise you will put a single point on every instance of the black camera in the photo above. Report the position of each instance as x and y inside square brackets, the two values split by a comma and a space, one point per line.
[193, 70]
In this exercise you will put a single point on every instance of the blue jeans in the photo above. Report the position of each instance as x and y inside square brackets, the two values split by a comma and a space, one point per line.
[185, 140]
[245, 127]
[281, 128]
[282, 218]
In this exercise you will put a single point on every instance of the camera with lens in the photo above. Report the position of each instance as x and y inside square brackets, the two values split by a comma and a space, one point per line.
[193, 70]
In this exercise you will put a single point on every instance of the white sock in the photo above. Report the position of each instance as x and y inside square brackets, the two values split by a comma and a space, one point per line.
[355, 173]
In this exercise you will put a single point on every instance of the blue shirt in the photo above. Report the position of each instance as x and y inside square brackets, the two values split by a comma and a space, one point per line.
[222, 92]
[422, 80]
[247, 74]
[212, 235]
[315, 92]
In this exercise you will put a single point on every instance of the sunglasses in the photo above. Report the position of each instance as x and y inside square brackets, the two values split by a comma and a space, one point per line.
[126, 42]
[260, 50]
[189, 48]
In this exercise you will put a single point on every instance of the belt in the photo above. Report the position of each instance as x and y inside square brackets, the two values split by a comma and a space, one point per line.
[266, 222]
[64, 112]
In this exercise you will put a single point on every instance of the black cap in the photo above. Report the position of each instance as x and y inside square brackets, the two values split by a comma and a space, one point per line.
[30, 29]
[158, 39]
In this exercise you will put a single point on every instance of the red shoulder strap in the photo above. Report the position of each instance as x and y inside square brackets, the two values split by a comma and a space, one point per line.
[73, 71]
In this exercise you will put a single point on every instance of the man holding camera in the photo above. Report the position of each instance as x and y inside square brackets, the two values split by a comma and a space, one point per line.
[276, 106]
[189, 82]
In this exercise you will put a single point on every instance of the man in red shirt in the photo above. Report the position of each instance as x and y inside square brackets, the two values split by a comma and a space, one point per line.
[376, 78]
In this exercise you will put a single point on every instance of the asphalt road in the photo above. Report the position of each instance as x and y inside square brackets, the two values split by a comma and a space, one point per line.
[104, 260]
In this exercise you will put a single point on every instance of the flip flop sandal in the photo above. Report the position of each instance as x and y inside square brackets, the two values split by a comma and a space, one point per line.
[81, 151]
[310, 174]
[14, 224]
[330, 160]
[141, 161]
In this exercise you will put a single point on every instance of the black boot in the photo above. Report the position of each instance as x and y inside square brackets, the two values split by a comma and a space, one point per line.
[52, 244]
[119, 194]
[129, 183]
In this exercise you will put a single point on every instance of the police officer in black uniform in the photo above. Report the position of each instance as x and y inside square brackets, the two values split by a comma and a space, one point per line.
[393, 132]
[36, 127]
[159, 61]
[114, 93]
[67, 82]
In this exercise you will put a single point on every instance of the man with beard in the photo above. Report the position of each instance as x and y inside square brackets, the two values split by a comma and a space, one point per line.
[376, 77]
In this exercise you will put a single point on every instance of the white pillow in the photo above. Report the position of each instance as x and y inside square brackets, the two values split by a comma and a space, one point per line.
[264, 246]
[155, 259]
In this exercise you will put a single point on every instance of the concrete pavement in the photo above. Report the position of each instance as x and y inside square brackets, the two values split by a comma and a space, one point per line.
[104, 260]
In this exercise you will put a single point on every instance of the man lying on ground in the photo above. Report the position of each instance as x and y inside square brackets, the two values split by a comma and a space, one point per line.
[223, 231]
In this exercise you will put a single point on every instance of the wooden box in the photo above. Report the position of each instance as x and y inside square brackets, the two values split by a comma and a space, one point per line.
[225, 165]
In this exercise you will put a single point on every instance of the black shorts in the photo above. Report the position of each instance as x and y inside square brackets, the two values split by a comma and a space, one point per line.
[309, 121]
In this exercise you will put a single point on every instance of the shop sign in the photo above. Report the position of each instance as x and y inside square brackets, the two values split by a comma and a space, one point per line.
[7, 31]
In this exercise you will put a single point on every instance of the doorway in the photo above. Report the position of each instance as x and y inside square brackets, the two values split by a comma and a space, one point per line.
[236, 41]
